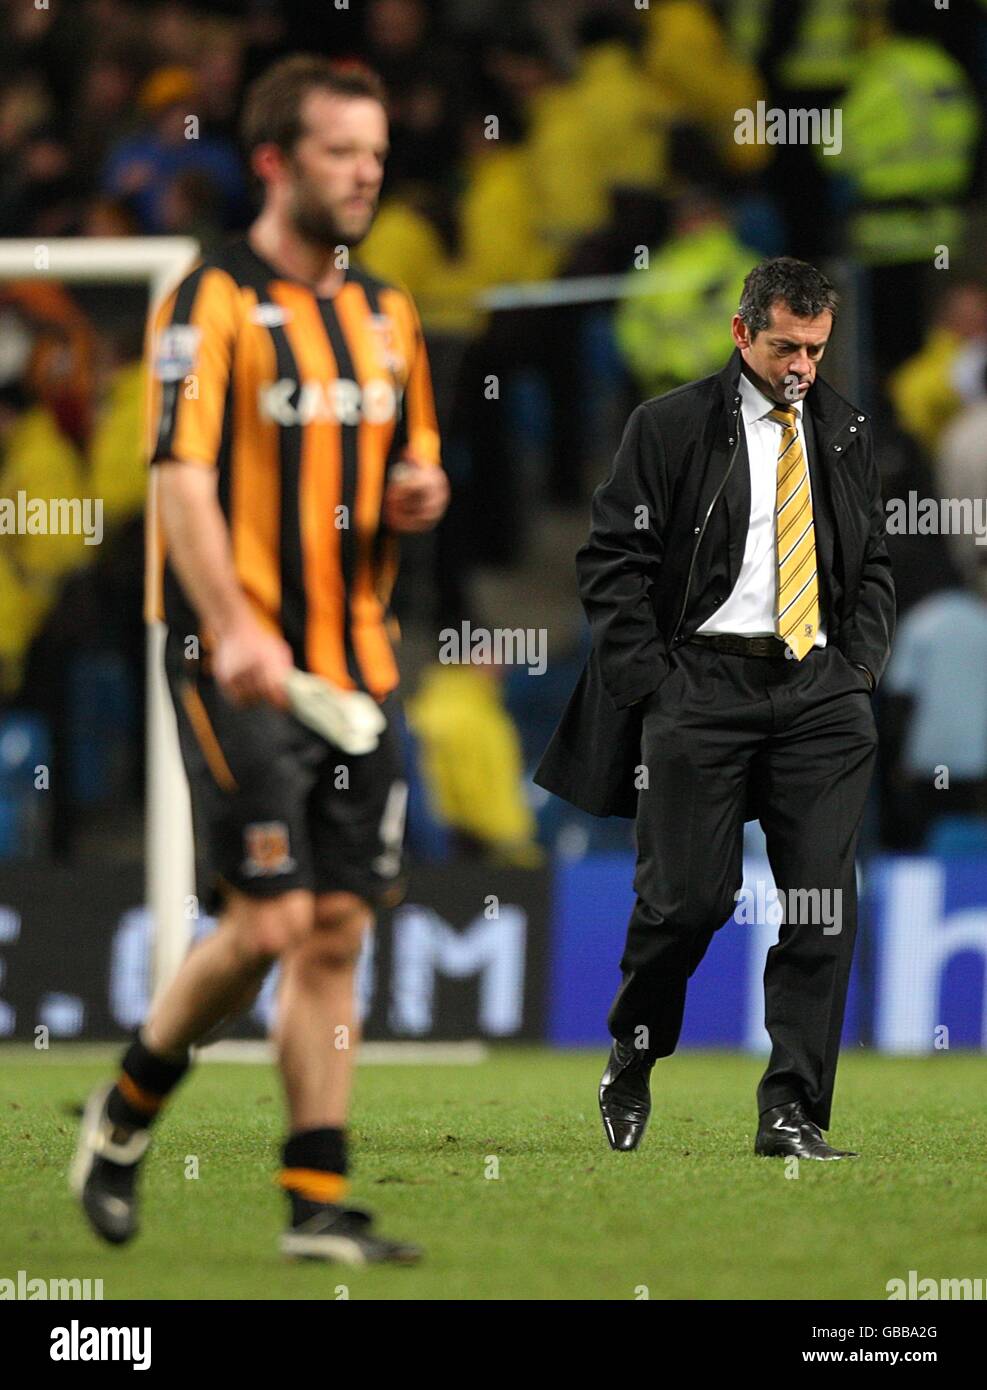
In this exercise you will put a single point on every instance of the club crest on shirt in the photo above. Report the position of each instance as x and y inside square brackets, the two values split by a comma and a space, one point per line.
[267, 849]
[177, 349]
[382, 326]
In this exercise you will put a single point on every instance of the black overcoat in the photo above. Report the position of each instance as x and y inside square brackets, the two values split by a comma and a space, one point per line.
[669, 526]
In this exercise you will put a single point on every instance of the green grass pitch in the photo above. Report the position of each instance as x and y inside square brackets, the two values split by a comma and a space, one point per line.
[691, 1215]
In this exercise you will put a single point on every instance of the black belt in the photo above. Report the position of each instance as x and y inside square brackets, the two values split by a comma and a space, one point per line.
[735, 645]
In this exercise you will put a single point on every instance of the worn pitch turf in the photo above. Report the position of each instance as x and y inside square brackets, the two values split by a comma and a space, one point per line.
[502, 1172]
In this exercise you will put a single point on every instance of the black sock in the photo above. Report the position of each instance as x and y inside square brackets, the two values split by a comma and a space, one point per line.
[314, 1168]
[145, 1082]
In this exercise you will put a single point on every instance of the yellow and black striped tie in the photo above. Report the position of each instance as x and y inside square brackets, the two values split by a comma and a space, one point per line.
[797, 610]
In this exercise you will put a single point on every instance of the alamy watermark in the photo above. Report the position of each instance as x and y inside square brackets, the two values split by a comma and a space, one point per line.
[21, 515]
[797, 126]
[937, 516]
[809, 907]
[81, 1343]
[67, 1290]
[915, 1287]
[499, 646]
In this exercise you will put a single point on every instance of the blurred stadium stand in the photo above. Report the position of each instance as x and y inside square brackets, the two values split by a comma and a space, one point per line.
[614, 136]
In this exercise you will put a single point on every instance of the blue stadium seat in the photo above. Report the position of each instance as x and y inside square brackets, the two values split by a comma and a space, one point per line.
[10, 845]
[25, 745]
[101, 724]
[953, 836]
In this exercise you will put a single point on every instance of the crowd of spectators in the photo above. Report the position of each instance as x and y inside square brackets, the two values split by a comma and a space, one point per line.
[540, 141]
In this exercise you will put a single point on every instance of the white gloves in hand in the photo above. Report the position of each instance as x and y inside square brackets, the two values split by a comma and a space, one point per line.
[347, 718]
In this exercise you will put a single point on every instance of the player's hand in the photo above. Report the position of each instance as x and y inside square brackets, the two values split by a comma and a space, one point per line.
[416, 496]
[251, 665]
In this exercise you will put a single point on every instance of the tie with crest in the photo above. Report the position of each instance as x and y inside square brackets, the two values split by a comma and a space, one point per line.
[797, 608]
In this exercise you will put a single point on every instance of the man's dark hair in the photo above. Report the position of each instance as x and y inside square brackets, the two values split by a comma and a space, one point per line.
[273, 104]
[801, 286]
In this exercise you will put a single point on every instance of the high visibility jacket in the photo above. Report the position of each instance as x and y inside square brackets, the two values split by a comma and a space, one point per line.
[402, 246]
[622, 117]
[22, 610]
[905, 235]
[600, 129]
[43, 463]
[569, 196]
[499, 241]
[117, 466]
[910, 127]
[697, 78]
[497, 238]
[910, 124]
[922, 389]
[471, 759]
[747, 24]
[677, 327]
[826, 47]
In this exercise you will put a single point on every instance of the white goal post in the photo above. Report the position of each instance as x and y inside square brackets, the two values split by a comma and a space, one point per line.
[157, 262]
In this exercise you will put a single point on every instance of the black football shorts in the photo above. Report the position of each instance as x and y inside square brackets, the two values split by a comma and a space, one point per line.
[276, 807]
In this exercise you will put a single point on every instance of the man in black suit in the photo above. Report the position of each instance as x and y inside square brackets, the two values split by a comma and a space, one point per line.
[741, 604]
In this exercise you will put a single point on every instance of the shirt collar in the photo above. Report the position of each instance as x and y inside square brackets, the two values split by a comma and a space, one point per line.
[756, 405]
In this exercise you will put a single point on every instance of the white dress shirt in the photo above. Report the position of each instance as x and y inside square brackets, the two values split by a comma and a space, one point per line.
[750, 607]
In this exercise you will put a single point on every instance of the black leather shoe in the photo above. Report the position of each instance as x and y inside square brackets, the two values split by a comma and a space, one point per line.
[786, 1131]
[625, 1098]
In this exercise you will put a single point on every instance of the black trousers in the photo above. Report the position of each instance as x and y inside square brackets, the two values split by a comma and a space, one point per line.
[803, 734]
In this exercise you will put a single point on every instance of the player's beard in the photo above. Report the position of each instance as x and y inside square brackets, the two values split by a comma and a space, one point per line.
[319, 226]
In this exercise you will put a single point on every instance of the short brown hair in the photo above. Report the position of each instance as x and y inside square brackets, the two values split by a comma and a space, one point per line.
[273, 104]
[806, 291]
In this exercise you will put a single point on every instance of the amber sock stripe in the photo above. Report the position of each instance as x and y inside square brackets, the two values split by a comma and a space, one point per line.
[137, 1097]
[313, 1185]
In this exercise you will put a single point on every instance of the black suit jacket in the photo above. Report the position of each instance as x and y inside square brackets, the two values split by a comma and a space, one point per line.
[669, 527]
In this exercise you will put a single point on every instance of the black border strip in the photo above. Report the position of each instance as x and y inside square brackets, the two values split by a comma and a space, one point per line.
[350, 438]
